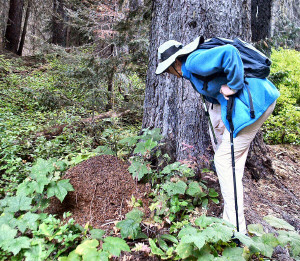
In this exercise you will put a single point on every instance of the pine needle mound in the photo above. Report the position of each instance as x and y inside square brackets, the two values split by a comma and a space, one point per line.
[102, 194]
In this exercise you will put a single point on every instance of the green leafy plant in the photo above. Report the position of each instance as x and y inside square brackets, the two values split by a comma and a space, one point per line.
[130, 227]
[212, 239]
[21, 218]
[87, 250]
[283, 126]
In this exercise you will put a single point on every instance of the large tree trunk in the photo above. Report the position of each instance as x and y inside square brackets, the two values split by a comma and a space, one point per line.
[172, 104]
[13, 29]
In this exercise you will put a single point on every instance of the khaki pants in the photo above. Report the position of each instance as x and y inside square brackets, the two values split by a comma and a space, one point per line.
[223, 164]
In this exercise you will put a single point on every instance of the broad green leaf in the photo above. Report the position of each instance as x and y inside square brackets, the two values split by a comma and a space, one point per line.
[175, 188]
[260, 246]
[85, 245]
[170, 168]
[256, 229]
[26, 188]
[19, 202]
[194, 189]
[184, 250]
[278, 223]
[244, 239]
[153, 134]
[97, 234]
[36, 253]
[59, 189]
[7, 233]
[46, 230]
[40, 184]
[71, 257]
[206, 257]
[205, 254]
[4, 202]
[154, 249]
[139, 169]
[215, 200]
[218, 232]
[115, 245]
[234, 254]
[100, 150]
[61, 165]
[41, 168]
[169, 237]
[187, 231]
[212, 193]
[135, 214]
[129, 228]
[104, 256]
[91, 254]
[198, 239]
[205, 203]
[64, 258]
[270, 239]
[8, 219]
[203, 221]
[145, 147]
[129, 140]
[292, 238]
[15, 245]
[28, 221]
[162, 244]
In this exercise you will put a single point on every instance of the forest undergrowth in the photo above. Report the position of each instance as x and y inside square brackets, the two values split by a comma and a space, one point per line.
[53, 112]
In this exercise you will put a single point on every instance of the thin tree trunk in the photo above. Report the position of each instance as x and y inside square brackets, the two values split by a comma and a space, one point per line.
[20, 50]
[58, 29]
[13, 29]
[260, 19]
[110, 77]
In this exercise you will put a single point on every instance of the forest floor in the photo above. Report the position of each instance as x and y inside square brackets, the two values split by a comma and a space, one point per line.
[104, 189]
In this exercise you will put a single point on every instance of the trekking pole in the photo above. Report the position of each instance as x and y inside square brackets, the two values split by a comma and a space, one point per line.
[209, 120]
[230, 104]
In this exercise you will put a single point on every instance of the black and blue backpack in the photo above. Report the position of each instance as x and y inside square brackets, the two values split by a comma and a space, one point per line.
[256, 64]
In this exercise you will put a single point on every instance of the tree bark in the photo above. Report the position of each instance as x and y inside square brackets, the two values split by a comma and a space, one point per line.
[58, 29]
[13, 29]
[20, 49]
[260, 19]
[172, 104]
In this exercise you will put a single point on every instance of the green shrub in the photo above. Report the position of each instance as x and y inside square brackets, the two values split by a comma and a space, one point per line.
[283, 126]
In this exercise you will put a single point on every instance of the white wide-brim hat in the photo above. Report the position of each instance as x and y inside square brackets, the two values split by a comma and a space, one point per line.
[170, 50]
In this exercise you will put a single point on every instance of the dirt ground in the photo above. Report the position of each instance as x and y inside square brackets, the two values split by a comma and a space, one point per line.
[104, 187]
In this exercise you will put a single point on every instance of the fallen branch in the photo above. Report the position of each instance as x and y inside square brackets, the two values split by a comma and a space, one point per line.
[57, 130]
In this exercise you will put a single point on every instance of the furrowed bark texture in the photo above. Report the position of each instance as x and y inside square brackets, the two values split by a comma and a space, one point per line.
[171, 103]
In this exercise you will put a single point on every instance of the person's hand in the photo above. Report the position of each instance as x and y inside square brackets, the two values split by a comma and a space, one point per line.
[226, 91]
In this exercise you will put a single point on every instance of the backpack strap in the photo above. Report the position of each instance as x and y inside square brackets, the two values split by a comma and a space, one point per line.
[252, 112]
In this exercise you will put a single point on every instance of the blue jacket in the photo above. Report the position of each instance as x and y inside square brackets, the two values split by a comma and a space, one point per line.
[226, 59]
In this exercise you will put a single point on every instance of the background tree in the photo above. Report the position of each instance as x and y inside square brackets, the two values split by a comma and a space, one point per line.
[58, 23]
[260, 19]
[13, 28]
[172, 104]
[24, 31]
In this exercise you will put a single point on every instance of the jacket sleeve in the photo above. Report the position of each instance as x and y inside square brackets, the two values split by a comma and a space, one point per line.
[225, 59]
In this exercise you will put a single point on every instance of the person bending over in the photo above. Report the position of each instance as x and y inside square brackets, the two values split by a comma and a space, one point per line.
[188, 62]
